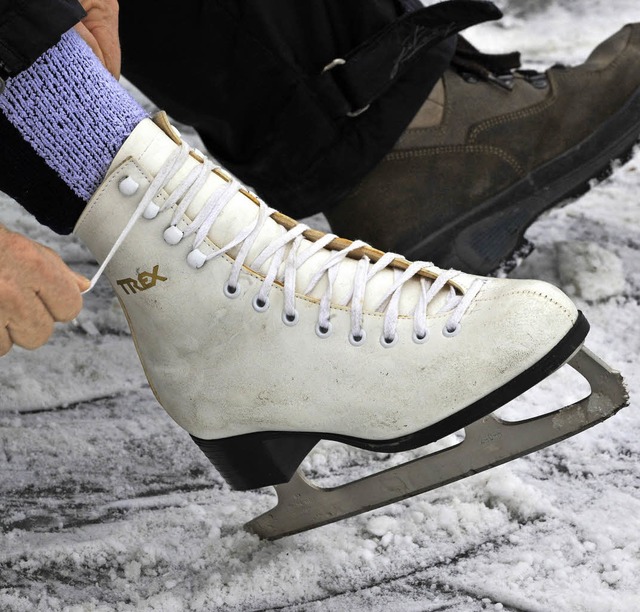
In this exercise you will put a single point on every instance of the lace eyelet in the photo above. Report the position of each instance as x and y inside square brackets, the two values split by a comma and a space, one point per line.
[539, 80]
[540, 83]
[450, 332]
[388, 342]
[420, 339]
[196, 259]
[172, 235]
[259, 304]
[290, 319]
[358, 340]
[323, 331]
[127, 186]
[231, 292]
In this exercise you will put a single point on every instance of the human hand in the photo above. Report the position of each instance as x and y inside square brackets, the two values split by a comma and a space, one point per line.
[36, 290]
[99, 29]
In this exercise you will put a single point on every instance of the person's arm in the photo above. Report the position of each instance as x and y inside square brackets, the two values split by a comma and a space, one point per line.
[36, 287]
[36, 290]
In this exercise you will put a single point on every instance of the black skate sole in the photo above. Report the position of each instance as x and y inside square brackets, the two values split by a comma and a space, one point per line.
[480, 241]
[262, 459]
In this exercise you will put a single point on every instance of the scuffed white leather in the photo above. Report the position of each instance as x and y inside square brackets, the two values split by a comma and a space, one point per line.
[220, 368]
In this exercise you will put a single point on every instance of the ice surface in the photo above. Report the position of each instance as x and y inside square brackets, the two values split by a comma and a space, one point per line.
[107, 505]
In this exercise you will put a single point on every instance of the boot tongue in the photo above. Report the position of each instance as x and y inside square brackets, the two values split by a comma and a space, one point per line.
[151, 144]
[468, 58]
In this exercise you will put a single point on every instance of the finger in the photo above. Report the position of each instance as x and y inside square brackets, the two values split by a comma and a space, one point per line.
[60, 287]
[62, 300]
[5, 341]
[90, 39]
[34, 325]
[112, 55]
[101, 23]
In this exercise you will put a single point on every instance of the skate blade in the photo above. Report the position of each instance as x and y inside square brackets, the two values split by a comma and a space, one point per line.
[488, 442]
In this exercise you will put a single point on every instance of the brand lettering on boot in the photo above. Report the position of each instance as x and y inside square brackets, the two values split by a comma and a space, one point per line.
[145, 281]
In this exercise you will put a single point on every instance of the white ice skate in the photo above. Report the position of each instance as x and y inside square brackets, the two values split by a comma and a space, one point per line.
[261, 337]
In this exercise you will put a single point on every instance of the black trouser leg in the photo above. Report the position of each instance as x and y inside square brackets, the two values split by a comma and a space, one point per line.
[29, 27]
[248, 75]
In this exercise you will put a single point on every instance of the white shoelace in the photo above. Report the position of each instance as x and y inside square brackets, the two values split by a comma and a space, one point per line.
[286, 249]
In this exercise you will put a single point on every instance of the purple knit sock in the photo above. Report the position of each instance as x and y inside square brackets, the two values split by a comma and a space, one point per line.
[73, 113]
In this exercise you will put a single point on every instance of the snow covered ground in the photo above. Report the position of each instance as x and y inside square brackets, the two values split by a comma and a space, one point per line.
[105, 504]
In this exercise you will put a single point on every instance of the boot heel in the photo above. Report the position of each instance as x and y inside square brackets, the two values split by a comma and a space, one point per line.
[257, 460]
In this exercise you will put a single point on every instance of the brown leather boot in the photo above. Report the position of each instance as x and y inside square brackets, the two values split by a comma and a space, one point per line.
[494, 147]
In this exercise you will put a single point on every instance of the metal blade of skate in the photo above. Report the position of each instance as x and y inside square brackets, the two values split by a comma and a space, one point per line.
[488, 442]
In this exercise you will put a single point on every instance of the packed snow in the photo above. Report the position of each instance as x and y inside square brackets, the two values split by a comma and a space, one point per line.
[107, 505]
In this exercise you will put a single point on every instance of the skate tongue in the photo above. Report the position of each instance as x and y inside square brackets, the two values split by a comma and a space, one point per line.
[151, 147]
[153, 142]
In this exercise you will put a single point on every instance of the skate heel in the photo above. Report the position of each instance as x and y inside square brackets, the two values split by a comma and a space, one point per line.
[257, 460]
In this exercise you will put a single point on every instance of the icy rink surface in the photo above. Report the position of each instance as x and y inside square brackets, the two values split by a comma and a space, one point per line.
[105, 504]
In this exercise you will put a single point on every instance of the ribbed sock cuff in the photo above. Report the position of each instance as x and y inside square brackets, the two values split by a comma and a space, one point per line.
[72, 112]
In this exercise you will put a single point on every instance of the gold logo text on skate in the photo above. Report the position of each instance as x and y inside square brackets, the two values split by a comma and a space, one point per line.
[145, 281]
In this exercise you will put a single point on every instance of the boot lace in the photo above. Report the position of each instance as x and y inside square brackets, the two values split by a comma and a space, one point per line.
[287, 257]
[500, 69]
